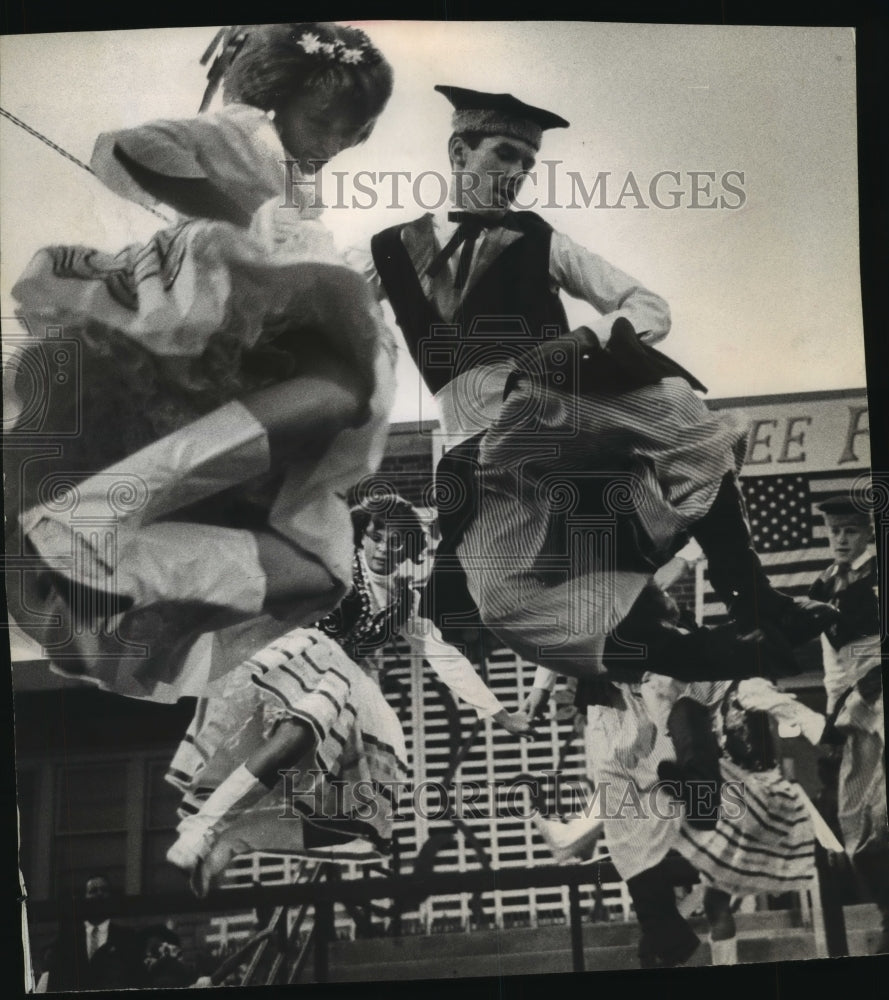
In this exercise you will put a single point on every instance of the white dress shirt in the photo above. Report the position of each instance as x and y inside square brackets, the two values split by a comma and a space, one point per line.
[581, 273]
[572, 268]
[96, 936]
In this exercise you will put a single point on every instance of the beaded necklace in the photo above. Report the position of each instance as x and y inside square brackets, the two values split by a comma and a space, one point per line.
[356, 626]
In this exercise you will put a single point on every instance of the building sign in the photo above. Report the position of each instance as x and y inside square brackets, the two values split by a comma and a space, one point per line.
[807, 432]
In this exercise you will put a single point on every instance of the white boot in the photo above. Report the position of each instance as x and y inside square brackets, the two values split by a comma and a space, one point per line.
[724, 952]
[102, 533]
[199, 833]
[226, 447]
[178, 560]
[572, 839]
[211, 865]
[223, 449]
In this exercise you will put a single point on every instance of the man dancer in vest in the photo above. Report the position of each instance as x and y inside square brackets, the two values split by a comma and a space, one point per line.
[534, 413]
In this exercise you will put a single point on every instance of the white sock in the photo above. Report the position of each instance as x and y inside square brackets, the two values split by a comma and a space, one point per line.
[237, 793]
[724, 952]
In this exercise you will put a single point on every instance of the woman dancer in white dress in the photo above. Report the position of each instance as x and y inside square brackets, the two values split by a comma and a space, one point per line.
[302, 727]
[235, 379]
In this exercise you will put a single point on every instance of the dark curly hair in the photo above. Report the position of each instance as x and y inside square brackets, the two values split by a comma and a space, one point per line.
[275, 62]
[389, 510]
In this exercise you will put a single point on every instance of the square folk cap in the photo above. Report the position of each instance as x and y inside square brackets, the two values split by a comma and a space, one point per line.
[499, 114]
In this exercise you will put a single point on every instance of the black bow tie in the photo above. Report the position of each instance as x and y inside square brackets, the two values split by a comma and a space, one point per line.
[473, 220]
[470, 226]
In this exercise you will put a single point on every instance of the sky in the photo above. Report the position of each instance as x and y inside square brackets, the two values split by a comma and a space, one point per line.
[763, 287]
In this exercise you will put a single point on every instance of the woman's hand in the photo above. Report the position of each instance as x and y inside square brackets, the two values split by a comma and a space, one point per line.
[670, 572]
[286, 231]
[517, 723]
[535, 701]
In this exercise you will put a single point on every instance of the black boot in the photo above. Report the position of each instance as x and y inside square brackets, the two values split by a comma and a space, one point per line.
[738, 578]
[649, 640]
[695, 772]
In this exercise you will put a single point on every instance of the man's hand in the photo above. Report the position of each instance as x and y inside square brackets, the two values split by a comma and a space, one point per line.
[517, 723]
[870, 687]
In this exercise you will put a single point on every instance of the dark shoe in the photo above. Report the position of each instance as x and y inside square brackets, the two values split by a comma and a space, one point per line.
[67, 618]
[704, 654]
[739, 579]
[677, 948]
[799, 621]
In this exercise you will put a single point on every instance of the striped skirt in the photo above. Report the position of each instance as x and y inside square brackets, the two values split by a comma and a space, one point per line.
[764, 840]
[345, 791]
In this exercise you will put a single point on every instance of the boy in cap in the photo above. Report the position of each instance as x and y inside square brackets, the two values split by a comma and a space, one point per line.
[531, 409]
[853, 681]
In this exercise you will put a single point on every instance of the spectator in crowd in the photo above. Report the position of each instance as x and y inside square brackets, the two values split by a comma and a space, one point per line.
[94, 952]
[163, 961]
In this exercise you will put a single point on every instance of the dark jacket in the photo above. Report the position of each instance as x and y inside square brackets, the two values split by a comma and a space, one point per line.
[116, 965]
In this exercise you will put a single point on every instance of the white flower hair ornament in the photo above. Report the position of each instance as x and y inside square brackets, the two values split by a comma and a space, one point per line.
[333, 51]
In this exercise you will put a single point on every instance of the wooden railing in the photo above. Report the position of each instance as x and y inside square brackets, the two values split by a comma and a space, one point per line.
[320, 894]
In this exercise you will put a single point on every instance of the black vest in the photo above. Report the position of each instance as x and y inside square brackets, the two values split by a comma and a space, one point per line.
[509, 309]
[858, 605]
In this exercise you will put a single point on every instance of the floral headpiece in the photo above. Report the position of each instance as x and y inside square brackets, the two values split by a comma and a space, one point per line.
[336, 50]
[314, 41]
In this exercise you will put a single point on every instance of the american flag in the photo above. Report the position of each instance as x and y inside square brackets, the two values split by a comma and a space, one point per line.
[788, 532]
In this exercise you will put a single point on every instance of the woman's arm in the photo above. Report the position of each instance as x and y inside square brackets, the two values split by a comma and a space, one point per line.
[541, 689]
[759, 694]
[459, 674]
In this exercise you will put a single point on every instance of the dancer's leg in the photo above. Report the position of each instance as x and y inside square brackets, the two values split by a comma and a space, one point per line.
[220, 567]
[293, 575]
[285, 423]
[738, 577]
[243, 788]
[666, 938]
[555, 598]
[680, 459]
[710, 653]
[696, 768]
[290, 742]
[302, 415]
[144, 560]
